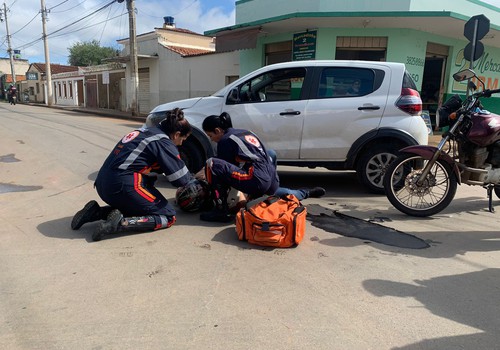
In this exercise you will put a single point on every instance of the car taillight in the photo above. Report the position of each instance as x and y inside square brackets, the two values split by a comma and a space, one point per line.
[409, 101]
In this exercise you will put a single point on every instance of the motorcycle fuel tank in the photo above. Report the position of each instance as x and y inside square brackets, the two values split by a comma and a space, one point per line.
[485, 129]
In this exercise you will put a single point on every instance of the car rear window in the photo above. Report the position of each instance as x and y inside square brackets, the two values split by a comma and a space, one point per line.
[348, 82]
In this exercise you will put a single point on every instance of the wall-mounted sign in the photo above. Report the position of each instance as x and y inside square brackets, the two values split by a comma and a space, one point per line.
[105, 77]
[31, 76]
[304, 45]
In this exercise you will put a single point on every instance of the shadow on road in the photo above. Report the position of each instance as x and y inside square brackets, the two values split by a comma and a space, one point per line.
[471, 299]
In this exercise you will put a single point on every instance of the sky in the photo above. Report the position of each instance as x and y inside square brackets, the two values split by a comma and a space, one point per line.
[75, 21]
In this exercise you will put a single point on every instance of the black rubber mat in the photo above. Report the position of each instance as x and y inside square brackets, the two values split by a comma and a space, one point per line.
[335, 222]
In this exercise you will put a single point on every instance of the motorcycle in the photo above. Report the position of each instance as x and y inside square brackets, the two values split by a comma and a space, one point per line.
[12, 97]
[422, 180]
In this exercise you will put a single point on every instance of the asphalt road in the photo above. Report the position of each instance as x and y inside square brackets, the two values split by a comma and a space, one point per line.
[195, 286]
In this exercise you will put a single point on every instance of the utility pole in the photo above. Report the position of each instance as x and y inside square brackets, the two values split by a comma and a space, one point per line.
[134, 71]
[9, 49]
[48, 72]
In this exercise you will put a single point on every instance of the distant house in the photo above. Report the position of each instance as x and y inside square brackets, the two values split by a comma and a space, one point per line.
[36, 80]
[20, 66]
[174, 64]
[104, 84]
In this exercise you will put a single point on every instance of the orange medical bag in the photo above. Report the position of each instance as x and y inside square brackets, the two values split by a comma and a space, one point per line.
[272, 221]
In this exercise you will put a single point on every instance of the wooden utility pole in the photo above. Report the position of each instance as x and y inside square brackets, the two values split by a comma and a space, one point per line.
[134, 71]
[48, 72]
[9, 48]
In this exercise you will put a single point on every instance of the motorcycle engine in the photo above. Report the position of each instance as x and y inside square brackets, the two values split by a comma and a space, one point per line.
[494, 158]
[472, 155]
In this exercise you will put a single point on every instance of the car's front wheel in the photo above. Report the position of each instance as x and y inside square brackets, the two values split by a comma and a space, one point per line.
[192, 154]
[372, 166]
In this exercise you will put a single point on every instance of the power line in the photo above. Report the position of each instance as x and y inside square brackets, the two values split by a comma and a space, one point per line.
[31, 20]
[89, 26]
[65, 27]
[71, 8]
[53, 7]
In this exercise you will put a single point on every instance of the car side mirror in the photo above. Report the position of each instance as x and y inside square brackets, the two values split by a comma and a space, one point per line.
[234, 96]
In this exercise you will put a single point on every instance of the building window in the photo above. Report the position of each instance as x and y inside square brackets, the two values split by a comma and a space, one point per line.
[70, 89]
[368, 48]
[32, 90]
[37, 88]
[65, 90]
[278, 52]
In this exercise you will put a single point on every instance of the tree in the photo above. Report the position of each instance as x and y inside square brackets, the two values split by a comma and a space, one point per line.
[89, 53]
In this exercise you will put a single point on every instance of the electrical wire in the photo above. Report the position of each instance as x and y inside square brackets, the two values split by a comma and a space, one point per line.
[31, 20]
[104, 27]
[89, 26]
[66, 26]
[71, 8]
[53, 7]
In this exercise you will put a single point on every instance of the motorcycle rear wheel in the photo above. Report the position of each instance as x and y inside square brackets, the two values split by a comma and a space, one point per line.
[428, 198]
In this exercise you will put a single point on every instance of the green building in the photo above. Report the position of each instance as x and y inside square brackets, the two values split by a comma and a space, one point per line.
[428, 36]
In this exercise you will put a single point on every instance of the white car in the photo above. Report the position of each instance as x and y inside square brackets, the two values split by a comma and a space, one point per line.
[341, 115]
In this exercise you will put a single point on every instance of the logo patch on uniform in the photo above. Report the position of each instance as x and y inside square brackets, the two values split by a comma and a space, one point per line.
[132, 135]
[253, 140]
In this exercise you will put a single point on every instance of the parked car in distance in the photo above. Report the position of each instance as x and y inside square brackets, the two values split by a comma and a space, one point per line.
[341, 115]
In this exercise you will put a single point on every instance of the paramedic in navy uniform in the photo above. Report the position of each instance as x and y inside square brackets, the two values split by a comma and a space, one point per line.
[125, 184]
[242, 163]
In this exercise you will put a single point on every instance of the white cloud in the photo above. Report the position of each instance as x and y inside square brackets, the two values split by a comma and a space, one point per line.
[107, 26]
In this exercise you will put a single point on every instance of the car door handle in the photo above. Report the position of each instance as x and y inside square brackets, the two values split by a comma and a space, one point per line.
[371, 108]
[290, 113]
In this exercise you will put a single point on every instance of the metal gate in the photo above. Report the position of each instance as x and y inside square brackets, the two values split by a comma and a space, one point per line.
[91, 92]
[144, 102]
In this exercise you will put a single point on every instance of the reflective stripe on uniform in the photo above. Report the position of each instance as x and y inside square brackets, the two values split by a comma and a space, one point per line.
[139, 149]
[177, 175]
[243, 147]
[141, 190]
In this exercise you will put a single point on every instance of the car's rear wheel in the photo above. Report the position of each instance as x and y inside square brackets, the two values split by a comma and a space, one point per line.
[192, 154]
[373, 164]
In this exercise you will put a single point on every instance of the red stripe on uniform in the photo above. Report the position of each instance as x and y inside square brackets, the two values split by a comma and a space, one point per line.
[242, 176]
[141, 190]
[208, 174]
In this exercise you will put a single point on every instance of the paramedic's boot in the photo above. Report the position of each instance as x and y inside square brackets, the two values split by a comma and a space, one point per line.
[221, 211]
[316, 192]
[116, 223]
[90, 212]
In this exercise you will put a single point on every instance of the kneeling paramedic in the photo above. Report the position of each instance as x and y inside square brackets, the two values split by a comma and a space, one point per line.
[125, 183]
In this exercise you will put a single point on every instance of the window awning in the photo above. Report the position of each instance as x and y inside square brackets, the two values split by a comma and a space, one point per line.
[231, 40]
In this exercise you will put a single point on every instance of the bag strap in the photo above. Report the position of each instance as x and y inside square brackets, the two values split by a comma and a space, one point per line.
[265, 198]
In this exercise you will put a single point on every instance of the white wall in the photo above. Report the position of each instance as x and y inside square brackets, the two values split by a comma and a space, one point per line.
[186, 77]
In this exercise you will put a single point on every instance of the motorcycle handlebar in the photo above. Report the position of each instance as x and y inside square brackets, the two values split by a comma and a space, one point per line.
[488, 93]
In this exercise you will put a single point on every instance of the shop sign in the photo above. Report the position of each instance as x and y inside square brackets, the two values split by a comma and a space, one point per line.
[31, 76]
[304, 45]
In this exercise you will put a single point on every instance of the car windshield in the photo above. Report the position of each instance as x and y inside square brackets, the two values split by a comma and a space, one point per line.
[221, 92]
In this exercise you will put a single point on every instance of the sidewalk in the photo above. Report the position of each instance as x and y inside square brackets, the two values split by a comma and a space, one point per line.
[98, 111]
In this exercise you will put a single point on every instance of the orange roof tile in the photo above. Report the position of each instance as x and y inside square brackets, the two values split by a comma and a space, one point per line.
[8, 78]
[55, 68]
[185, 51]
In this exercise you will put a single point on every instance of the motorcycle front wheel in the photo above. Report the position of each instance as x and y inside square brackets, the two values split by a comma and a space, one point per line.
[419, 198]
